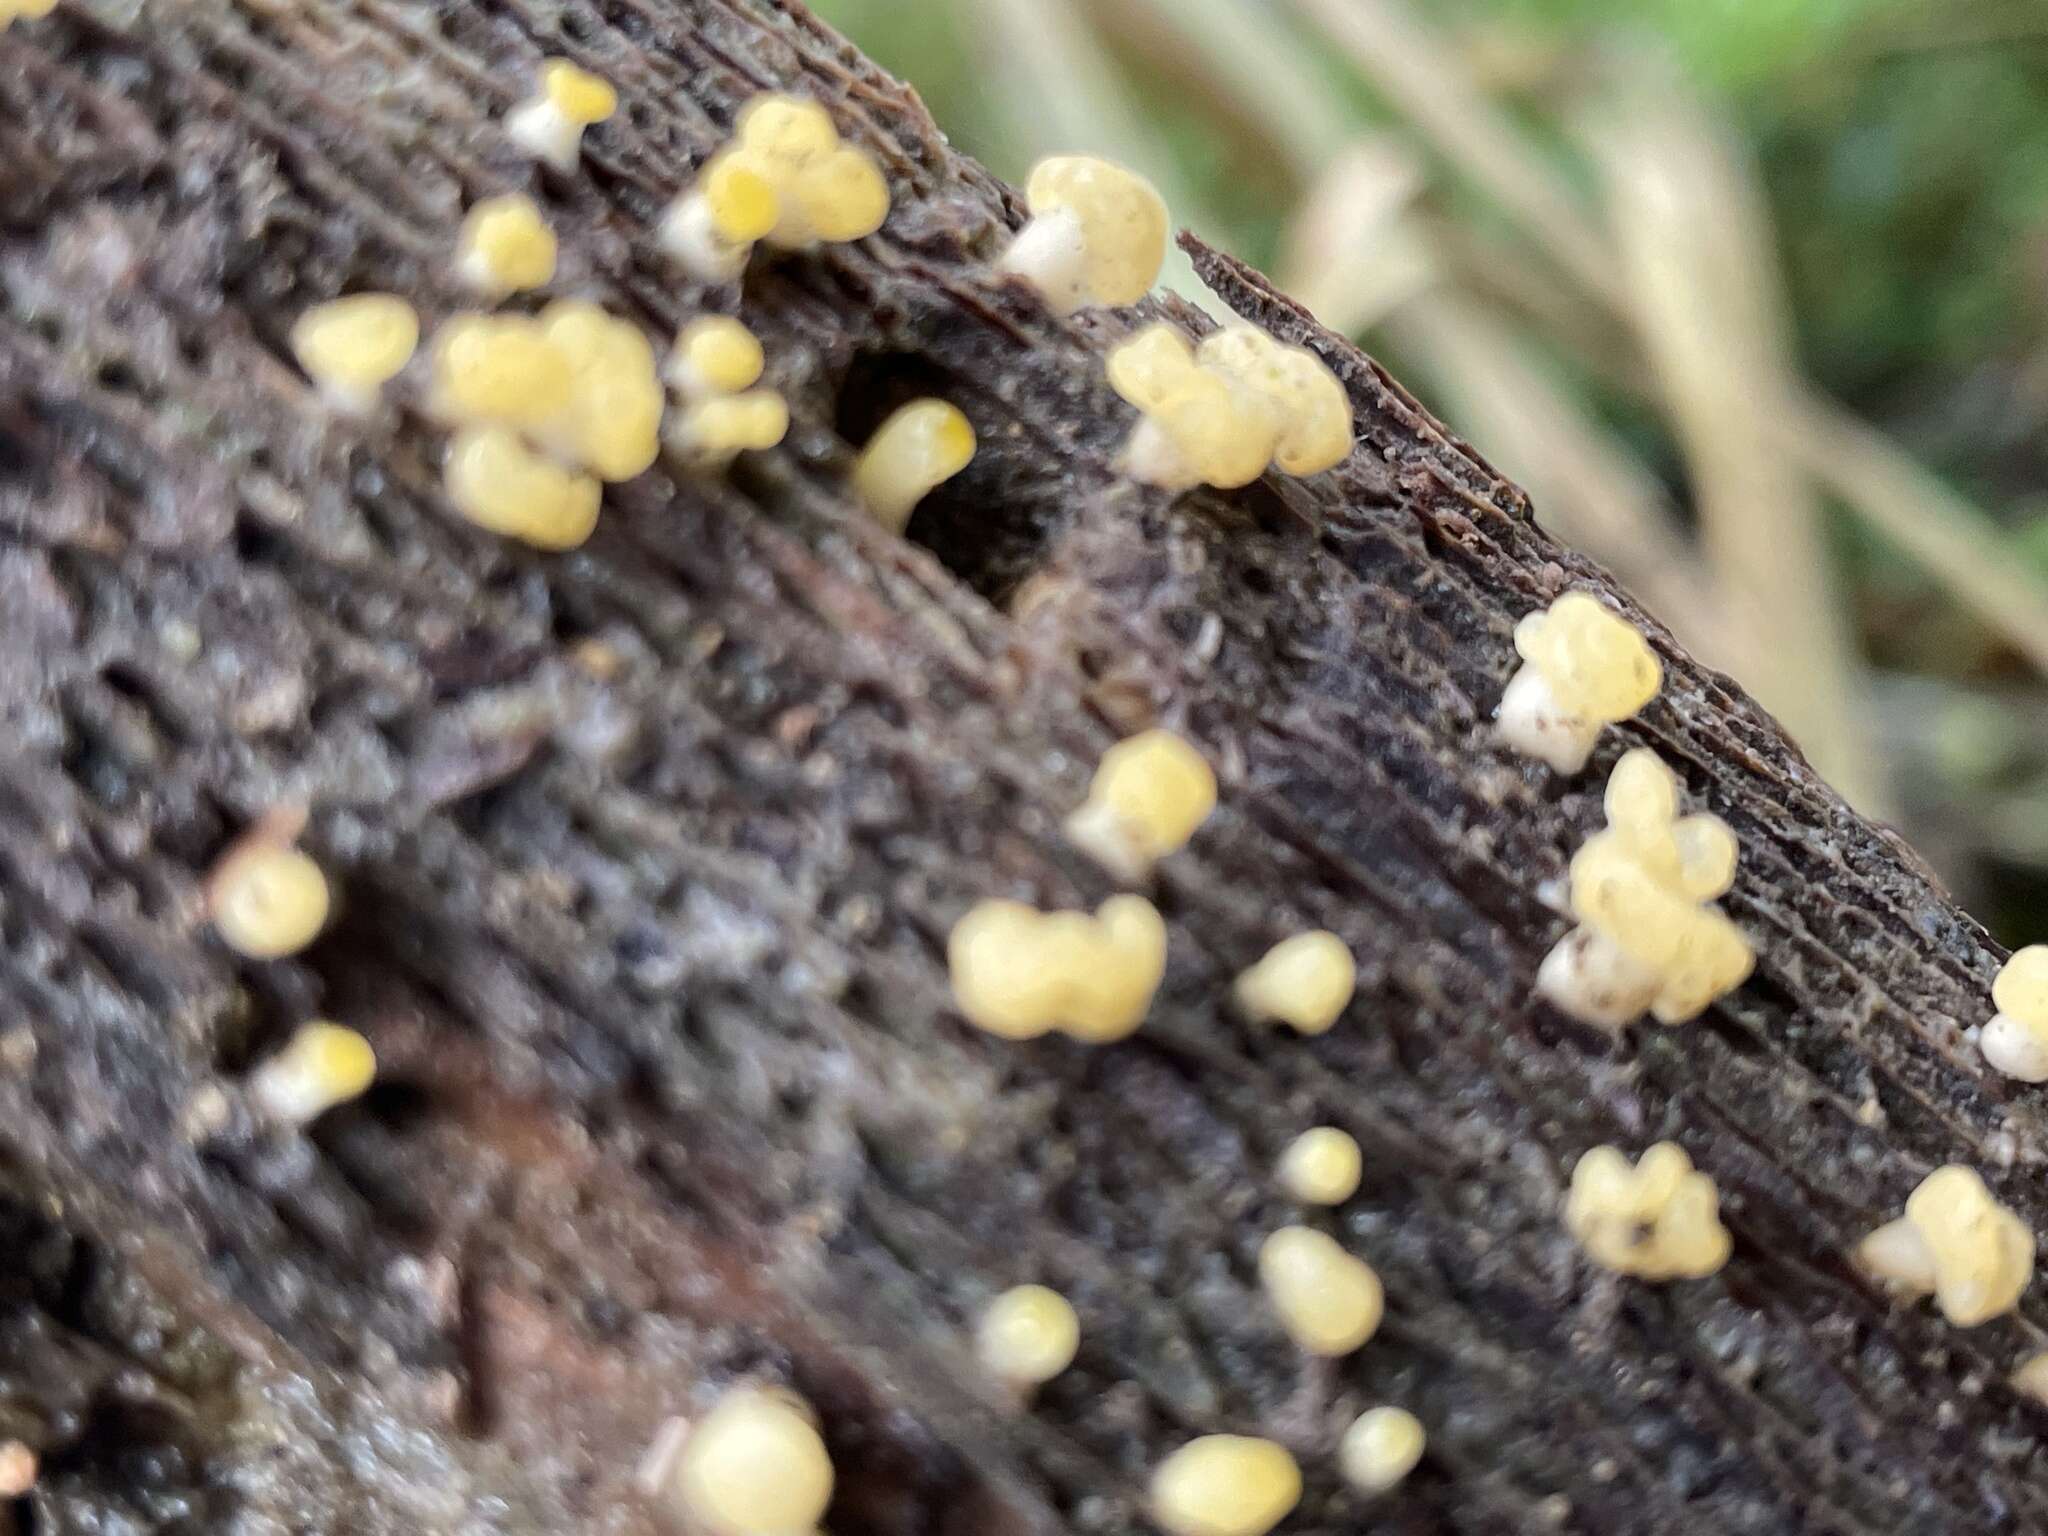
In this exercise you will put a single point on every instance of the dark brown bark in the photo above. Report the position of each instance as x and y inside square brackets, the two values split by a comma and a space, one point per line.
[652, 950]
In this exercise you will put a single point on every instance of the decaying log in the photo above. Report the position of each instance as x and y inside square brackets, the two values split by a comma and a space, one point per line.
[647, 856]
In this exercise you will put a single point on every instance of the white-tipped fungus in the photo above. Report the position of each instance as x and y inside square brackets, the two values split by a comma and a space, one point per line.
[1658, 1220]
[500, 484]
[353, 347]
[1150, 792]
[1028, 1336]
[1583, 666]
[267, 899]
[1225, 1485]
[1321, 1166]
[714, 355]
[755, 1465]
[322, 1065]
[1957, 1243]
[920, 446]
[1305, 982]
[549, 124]
[2015, 1042]
[1382, 1446]
[1097, 234]
[1018, 972]
[1330, 1301]
[505, 246]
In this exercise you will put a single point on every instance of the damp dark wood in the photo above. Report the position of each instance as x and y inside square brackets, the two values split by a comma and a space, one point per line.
[647, 855]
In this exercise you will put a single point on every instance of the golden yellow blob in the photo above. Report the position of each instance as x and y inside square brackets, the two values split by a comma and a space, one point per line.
[498, 483]
[1097, 233]
[1018, 972]
[12, 11]
[1957, 1242]
[1382, 1446]
[576, 93]
[498, 370]
[268, 900]
[1596, 662]
[1329, 1300]
[322, 1065]
[352, 347]
[920, 446]
[1658, 1220]
[791, 130]
[1150, 792]
[611, 422]
[1225, 1485]
[506, 246]
[1321, 1166]
[741, 197]
[715, 354]
[843, 195]
[1304, 982]
[1028, 1335]
[1147, 369]
[754, 1466]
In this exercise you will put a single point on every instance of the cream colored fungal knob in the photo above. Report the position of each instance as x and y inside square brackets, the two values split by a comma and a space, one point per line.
[497, 370]
[1330, 1301]
[755, 1465]
[1097, 234]
[1584, 666]
[1225, 1485]
[1150, 792]
[1028, 1336]
[1290, 387]
[267, 899]
[714, 355]
[495, 481]
[712, 229]
[1382, 1446]
[611, 423]
[2015, 1042]
[1149, 368]
[1658, 1220]
[2030, 1377]
[1018, 972]
[1321, 1167]
[1305, 982]
[549, 124]
[322, 1065]
[353, 347]
[1957, 1243]
[715, 431]
[505, 246]
[1204, 431]
[920, 446]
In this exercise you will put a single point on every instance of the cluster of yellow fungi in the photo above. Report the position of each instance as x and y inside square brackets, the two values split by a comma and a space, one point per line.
[755, 1465]
[549, 124]
[1657, 1220]
[917, 448]
[715, 366]
[2015, 1041]
[1957, 1244]
[1020, 973]
[1583, 666]
[1096, 236]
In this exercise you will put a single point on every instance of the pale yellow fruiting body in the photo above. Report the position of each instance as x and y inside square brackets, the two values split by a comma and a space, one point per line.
[497, 482]
[322, 1065]
[1151, 366]
[1584, 666]
[1150, 792]
[505, 246]
[353, 347]
[12, 11]
[1322, 1166]
[715, 431]
[2030, 1377]
[2015, 1041]
[1019, 973]
[1304, 982]
[1330, 1301]
[1097, 234]
[755, 1465]
[1659, 1220]
[1225, 1485]
[1294, 387]
[1028, 1336]
[920, 446]
[498, 370]
[611, 423]
[549, 124]
[1957, 1243]
[1382, 1446]
[714, 355]
[267, 899]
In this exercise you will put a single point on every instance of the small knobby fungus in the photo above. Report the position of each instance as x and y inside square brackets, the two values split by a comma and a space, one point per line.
[1649, 937]
[1305, 982]
[1018, 972]
[2015, 1042]
[322, 1065]
[497, 370]
[714, 431]
[1658, 1220]
[1321, 1166]
[500, 484]
[1583, 666]
[12, 11]
[505, 246]
[1310, 412]
[714, 355]
[353, 347]
[921, 445]
[1225, 1485]
[612, 423]
[1381, 1447]
[1150, 792]
[1097, 234]
[549, 124]
[755, 1465]
[1956, 1243]
[1330, 1301]
[1028, 1336]
[267, 900]
[2030, 1377]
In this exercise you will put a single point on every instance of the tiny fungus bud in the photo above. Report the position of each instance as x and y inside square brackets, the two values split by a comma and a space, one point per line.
[1097, 234]
[18, 1464]
[353, 347]
[498, 370]
[505, 246]
[921, 445]
[1659, 1220]
[2015, 1042]
[549, 124]
[1321, 1167]
[1380, 1448]
[1583, 666]
[755, 1465]
[1305, 982]
[322, 1065]
[1329, 1300]
[1028, 1335]
[1957, 1243]
[1018, 972]
[714, 355]
[715, 431]
[267, 899]
[1150, 792]
[611, 424]
[500, 484]
[2030, 1377]
[1225, 1485]
[12, 11]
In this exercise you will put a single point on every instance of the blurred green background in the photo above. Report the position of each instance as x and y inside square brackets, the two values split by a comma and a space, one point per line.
[1751, 294]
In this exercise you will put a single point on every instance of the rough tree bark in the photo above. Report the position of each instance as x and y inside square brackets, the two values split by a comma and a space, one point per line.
[648, 854]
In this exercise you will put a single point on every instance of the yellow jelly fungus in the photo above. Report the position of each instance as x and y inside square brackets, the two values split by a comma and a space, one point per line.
[1957, 1243]
[921, 445]
[755, 1465]
[1018, 972]
[549, 124]
[1097, 234]
[1150, 792]
[2015, 1042]
[740, 198]
[1151, 366]
[611, 423]
[1330, 1301]
[786, 130]
[267, 899]
[1658, 1220]
[322, 1065]
[500, 484]
[714, 355]
[1321, 1166]
[1206, 430]
[1028, 1336]
[1584, 666]
[838, 197]
[1293, 387]
[498, 370]
[714, 431]
[505, 246]
[1225, 1485]
[353, 347]
[1305, 982]
[1381, 1447]
[12, 11]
